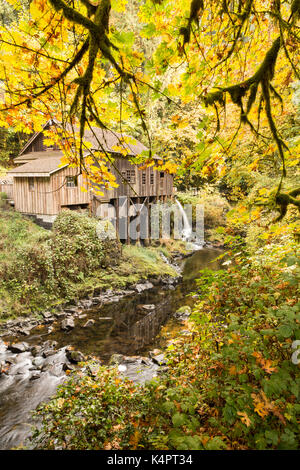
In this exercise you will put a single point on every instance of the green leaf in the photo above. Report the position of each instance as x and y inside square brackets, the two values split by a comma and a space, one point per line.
[178, 419]
[286, 331]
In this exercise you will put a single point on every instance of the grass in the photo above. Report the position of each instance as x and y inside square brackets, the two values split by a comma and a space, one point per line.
[17, 232]
[33, 288]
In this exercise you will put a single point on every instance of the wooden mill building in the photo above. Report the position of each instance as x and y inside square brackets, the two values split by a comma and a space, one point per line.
[43, 187]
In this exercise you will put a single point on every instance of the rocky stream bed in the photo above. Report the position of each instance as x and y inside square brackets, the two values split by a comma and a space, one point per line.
[114, 328]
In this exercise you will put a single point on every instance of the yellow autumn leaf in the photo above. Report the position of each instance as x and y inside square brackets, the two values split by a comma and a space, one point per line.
[244, 418]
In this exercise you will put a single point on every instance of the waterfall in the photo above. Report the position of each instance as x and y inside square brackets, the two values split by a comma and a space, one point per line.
[187, 232]
[187, 229]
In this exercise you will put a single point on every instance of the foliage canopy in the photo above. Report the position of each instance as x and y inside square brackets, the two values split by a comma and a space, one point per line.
[105, 63]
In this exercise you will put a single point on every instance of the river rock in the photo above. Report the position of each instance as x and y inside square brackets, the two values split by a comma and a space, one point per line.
[141, 287]
[155, 280]
[68, 366]
[169, 280]
[131, 360]
[93, 369]
[50, 344]
[35, 350]
[60, 314]
[146, 361]
[67, 324]
[183, 313]
[24, 331]
[86, 303]
[47, 315]
[146, 307]
[3, 347]
[89, 323]
[116, 359]
[70, 311]
[75, 356]
[19, 347]
[11, 359]
[155, 352]
[35, 375]
[49, 352]
[159, 359]
[55, 369]
[96, 300]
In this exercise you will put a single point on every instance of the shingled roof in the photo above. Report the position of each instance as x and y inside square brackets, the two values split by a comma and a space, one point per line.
[40, 167]
[109, 140]
[100, 139]
[44, 163]
[44, 154]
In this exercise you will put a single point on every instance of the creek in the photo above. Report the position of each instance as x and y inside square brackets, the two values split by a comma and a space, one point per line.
[129, 326]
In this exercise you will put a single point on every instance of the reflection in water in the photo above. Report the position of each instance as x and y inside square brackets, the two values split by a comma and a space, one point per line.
[205, 258]
[124, 327]
[145, 330]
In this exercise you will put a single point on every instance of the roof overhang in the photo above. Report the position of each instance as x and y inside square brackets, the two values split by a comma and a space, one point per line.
[35, 174]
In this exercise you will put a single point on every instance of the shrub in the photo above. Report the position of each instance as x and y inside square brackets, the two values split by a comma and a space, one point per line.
[231, 384]
[46, 265]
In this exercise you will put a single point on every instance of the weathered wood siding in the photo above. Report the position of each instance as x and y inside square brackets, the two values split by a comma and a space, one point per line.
[8, 189]
[142, 182]
[36, 201]
[37, 144]
[51, 194]
[62, 195]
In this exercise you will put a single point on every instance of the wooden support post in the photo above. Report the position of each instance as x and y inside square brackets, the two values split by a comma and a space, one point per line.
[117, 208]
[148, 229]
[128, 221]
[139, 215]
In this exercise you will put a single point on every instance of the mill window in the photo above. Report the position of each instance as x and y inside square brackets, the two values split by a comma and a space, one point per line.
[31, 184]
[72, 182]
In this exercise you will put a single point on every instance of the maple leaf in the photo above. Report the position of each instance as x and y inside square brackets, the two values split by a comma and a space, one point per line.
[260, 409]
[244, 418]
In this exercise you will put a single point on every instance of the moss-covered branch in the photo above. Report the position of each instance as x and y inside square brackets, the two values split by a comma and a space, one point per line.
[237, 92]
[284, 199]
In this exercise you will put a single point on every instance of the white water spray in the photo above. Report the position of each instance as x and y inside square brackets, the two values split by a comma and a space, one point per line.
[187, 229]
